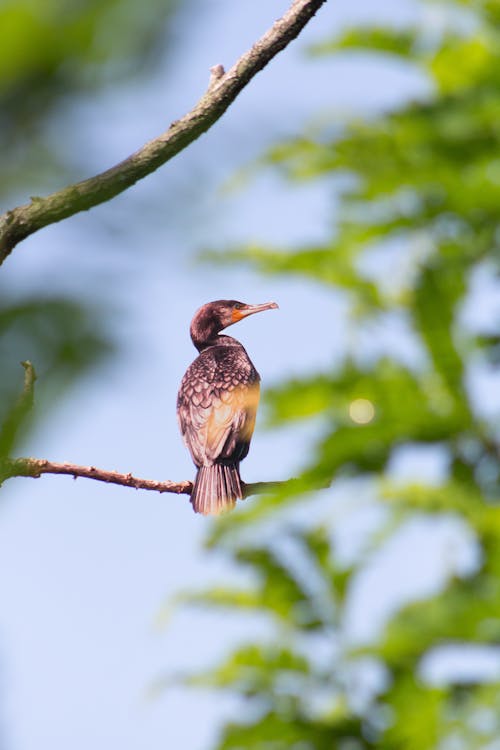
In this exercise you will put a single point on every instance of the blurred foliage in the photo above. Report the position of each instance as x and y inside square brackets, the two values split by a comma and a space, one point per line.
[62, 338]
[54, 51]
[51, 54]
[419, 223]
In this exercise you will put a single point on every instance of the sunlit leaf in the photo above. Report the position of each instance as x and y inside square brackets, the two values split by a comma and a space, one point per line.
[378, 39]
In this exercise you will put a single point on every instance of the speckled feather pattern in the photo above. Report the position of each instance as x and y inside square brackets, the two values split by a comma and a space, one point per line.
[217, 403]
[216, 408]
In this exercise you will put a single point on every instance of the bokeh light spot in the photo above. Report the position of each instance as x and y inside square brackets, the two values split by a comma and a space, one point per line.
[361, 411]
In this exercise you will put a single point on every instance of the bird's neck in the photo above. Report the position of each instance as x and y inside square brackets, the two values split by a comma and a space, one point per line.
[214, 340]
[203, 332]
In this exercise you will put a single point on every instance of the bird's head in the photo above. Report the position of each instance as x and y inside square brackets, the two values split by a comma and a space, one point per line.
[213, 317]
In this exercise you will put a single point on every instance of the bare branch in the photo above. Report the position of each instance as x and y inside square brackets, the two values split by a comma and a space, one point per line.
[35, 467]
[20, 222]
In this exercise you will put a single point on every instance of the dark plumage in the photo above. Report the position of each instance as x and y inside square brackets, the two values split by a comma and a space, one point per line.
[217, 404]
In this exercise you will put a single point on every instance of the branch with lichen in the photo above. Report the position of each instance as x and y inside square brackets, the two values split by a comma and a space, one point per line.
[223, 88]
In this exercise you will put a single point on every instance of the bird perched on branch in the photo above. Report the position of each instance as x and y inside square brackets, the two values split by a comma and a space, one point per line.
[217, 404]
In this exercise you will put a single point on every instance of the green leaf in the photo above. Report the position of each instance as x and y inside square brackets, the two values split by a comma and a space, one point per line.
[402, 42]
[275, 732]
[257, 670]
[419, 711]
[282, 592]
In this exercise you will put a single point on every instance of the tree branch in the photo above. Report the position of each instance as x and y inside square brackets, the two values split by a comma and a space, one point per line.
[35, 467]
[20, 222]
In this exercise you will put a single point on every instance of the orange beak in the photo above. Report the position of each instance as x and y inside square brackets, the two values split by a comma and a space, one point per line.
[247, 310]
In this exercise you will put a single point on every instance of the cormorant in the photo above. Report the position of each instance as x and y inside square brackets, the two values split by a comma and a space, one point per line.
[217, 403]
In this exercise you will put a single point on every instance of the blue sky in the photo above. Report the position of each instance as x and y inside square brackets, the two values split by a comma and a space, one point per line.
[85, 568]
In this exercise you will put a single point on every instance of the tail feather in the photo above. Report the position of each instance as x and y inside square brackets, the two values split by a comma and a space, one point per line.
[216, 489]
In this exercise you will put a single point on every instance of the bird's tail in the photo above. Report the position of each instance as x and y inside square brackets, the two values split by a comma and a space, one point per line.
[216, 489]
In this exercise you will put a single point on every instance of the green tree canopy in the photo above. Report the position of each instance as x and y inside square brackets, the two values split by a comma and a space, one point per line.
[417, 231]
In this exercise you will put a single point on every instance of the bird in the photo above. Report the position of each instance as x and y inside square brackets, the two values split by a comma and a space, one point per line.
[217, 404]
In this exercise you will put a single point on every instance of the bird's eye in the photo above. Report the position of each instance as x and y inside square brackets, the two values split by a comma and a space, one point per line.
[238, 306]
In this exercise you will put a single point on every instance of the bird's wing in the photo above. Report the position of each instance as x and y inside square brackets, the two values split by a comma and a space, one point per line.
[218, 423]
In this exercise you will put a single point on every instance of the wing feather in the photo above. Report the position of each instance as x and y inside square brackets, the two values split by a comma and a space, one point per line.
[216, 406]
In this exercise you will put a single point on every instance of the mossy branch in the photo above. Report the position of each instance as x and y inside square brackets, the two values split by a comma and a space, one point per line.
[224, 87]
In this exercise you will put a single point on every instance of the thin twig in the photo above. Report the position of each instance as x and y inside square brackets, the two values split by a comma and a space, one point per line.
[20, 222]
[29, 384]
[35, 467]
[18, 413]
